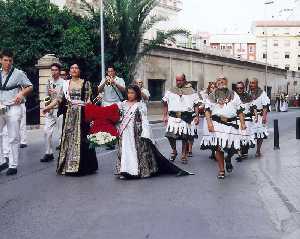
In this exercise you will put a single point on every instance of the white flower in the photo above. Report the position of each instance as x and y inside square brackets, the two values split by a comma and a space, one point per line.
[101, 138]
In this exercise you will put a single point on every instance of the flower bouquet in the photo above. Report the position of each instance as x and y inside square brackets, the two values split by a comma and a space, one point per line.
[101, 139]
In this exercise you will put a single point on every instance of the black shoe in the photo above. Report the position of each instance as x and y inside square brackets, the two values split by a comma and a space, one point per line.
[47, 158]
[239, 159]
[3, 166]
[11, 171]
[229, 166]
[22, 146]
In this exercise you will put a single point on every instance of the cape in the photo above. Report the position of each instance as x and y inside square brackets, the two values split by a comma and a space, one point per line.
[187, 89]
[223, 95]
[256, 94]
[104, 118]
[245, 97]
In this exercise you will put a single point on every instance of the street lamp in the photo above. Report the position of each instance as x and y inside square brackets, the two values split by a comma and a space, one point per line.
[266, 38]
[102, 40]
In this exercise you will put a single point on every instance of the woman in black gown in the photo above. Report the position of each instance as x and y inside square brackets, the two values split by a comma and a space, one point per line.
[76, 158]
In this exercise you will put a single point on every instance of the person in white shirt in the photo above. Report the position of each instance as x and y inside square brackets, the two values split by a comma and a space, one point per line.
[14, 86]
[180, 109]
[52, 120]
[112, 88]
[261, 102]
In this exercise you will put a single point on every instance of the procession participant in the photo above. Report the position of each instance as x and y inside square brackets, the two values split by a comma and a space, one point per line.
[205, 97]
[221, 113]
[144, 91]
[194, 129]
[248, 137]
[52, 120]
[112, 88]
[261, 103]
[14, 86]
[138, 157]
[76, 158]
[179, 105]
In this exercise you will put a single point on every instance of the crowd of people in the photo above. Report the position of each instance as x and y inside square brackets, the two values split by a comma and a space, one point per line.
[233, 122]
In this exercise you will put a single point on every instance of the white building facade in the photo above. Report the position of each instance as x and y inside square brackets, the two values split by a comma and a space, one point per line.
[242, 46]
[168, 9]
[278, 43]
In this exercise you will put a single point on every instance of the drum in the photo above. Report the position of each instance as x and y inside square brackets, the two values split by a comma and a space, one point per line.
[3, 109]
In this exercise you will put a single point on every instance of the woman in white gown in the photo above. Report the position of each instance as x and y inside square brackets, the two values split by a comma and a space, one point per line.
[138, 157]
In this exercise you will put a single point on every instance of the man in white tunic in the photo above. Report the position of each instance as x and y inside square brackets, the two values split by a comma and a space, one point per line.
[180, 109]
[52, 120]
[14, 86]
[248, 137]
[221, 111]
[261, 103]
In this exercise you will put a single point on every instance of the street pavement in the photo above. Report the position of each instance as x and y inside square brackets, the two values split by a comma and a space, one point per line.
[260, 199]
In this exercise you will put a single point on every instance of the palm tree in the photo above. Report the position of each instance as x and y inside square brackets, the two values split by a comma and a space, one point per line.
[126, 23]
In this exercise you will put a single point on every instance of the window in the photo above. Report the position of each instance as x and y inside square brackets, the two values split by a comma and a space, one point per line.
[264, 43]
[265, 55]
[276, 66]
[156, 89]
[298, 43]
[287, 43]
[275, 43]
[299, 68]
[287, 55]
[287, 67]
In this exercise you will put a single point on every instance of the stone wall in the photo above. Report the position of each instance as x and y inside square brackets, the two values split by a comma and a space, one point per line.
[166, 62]
[44, 66]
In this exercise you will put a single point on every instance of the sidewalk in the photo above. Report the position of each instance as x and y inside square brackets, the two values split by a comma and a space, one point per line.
[279, 172]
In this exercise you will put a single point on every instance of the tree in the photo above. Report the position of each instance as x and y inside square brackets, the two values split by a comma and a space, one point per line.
[33, 28]
[126, 22]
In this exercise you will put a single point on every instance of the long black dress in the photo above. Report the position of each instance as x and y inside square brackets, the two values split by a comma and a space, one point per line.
[76, 158]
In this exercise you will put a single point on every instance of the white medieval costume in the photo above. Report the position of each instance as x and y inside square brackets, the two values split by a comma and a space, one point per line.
[181, 104]
[247, 135]
[260, 101]
[224, 106]
[138, 157]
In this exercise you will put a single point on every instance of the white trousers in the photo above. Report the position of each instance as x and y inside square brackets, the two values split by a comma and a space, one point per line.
[12, 120]
[52, 122]
[23, 125]
[5, 142]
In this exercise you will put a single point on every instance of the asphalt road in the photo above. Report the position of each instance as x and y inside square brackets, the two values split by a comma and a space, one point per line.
[39, 204]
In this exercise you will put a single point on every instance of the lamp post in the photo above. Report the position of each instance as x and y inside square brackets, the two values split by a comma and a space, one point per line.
[102, 40]
[266, 38]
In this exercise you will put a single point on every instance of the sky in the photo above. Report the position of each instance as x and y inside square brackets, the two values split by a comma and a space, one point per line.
[219, 16]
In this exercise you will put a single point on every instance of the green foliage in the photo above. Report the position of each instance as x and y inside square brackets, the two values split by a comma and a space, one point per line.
[33, 28]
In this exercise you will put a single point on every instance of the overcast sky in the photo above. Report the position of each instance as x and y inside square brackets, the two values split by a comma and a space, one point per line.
[216, 16]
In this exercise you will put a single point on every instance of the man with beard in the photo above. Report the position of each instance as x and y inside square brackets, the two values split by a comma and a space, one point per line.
[221, 112]
[180, 109]
[248, 138]
[261, 103]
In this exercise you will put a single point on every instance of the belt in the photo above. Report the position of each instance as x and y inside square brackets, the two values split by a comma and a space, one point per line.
[185, 116]
[225, 121]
